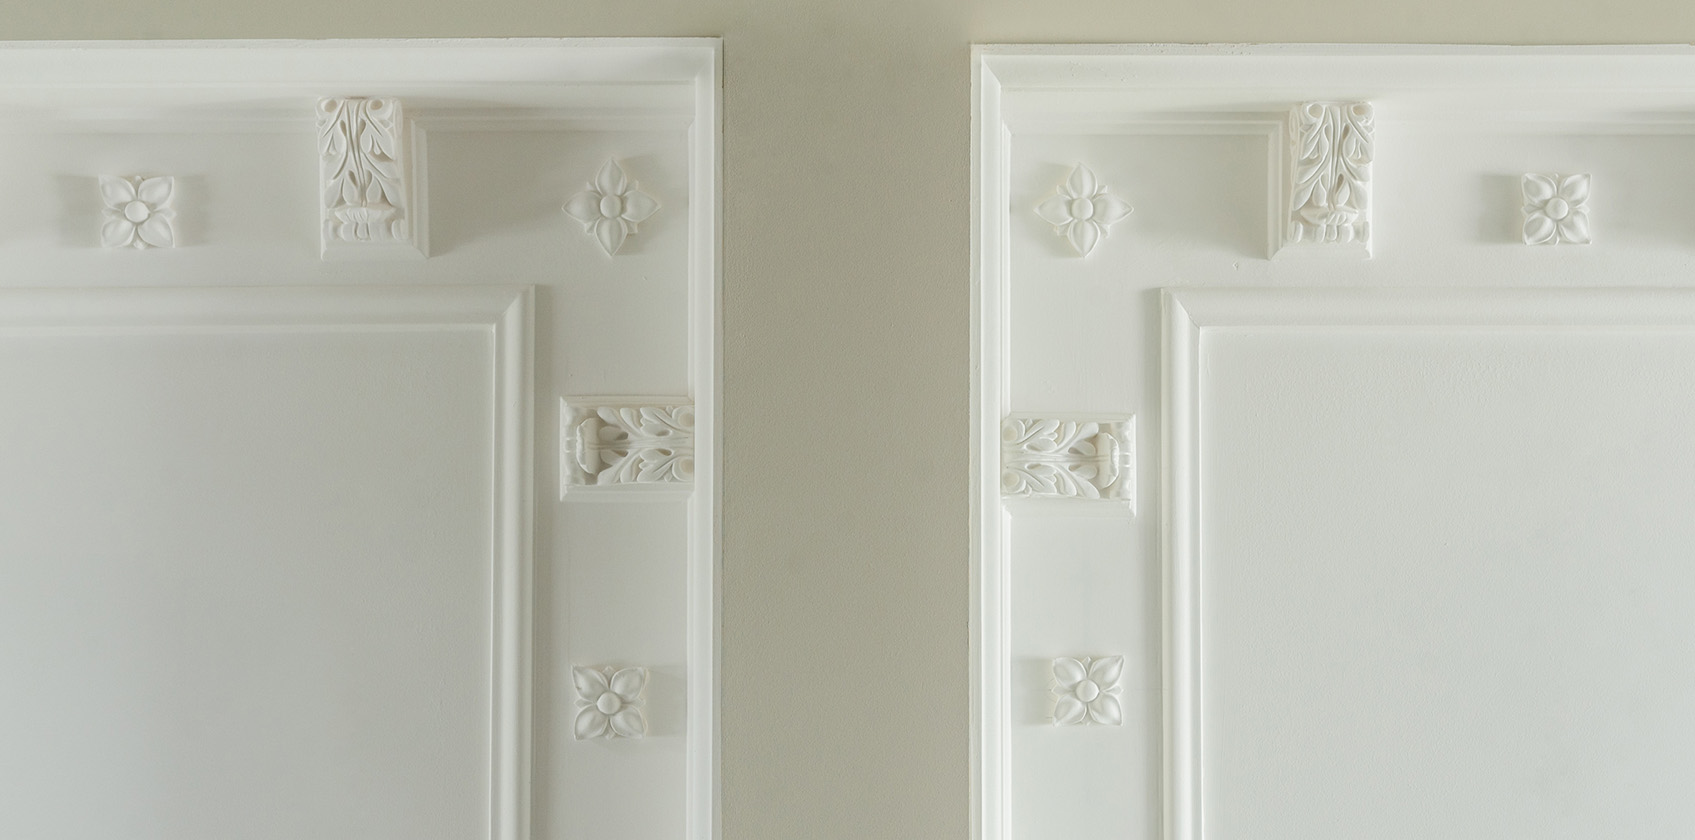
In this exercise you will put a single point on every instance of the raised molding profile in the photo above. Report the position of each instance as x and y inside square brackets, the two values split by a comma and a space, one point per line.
[1086, 691]
[1069, 459]
[364, 159]
[605, 443]
[611, 207]
[1331, 147]
[138, 212]
[609, 702]
[1556, 209]
[1081, 210]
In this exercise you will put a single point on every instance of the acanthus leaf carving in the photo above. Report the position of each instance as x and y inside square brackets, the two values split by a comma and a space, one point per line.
[1332, 145]
[365, 200]
[627, 444]
[1068, 459]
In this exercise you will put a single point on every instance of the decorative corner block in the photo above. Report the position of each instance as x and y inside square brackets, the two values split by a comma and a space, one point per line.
[611, 207]
[1556, 209]
[1086, 691]
[1082, 210]
[609, 702]
[607, 445]
[367, 206]
[138, 212]
[1331, 147]
[1069, 459]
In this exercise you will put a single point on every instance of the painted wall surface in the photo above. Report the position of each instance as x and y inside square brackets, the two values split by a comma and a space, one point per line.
[846, 294]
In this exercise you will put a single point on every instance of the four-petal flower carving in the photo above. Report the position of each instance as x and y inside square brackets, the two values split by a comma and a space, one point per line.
[1087, 691]
[138, 212]
[1556, 209]
[609, 702]
[611, 207]
[1081, 210]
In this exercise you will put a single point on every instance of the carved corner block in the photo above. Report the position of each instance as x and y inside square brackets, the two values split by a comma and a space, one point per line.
[368, 181]
[1328, 207]
[609, 703]
[1069, 459]
[607, 443]
[1086, 691]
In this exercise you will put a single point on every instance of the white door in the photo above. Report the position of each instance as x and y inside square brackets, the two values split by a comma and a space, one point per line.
[357, 457]
[1334, 471]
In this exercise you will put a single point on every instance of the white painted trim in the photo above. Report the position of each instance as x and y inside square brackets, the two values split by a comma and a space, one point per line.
[501, 84]
[1242, 90]
[504, 313]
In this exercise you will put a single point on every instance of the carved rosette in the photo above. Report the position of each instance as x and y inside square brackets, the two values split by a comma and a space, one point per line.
[1086, 691]
[1556, 209]
[138, 212]
[628, 445]
[1330, 174]
[362, 173]
[1068, 459]
[609, 702]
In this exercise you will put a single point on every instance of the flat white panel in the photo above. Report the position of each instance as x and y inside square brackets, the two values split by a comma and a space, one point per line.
[252, 567]
[1444, 585]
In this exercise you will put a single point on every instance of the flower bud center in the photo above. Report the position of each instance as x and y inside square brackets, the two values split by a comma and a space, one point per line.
[1087, 690]
[137, 212]
[1082, 208]
[611, 206]
[609, 703]
[1557, 208]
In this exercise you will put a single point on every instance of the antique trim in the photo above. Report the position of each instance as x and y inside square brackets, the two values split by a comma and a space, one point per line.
[138, 212]
[1086, 691]
[1556, 209]
[611, 207]
[1331, 147]
[1069, 459]
[609, 703]
[1081, 210]
[625, 443]
[367, 207]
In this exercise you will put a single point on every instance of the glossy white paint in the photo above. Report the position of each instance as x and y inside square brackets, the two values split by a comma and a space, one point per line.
[1406, 561]
[282, 529]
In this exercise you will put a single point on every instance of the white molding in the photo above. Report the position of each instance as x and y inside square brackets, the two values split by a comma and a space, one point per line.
[139, 211]
[368, 179]
[1556, 208]
[1086, 690]
[1331, 146]
[622, 443]
[504, 313]
[455, 85]
[1069, 458]
[612, 207]
[610, 703]
[1241, 90]
[1083, 210]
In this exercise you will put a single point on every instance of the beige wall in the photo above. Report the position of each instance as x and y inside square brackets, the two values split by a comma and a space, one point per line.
[845, 342]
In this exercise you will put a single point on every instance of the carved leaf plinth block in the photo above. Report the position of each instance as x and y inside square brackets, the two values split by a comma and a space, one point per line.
[611, 208]
[138, 212]
[609, 702]
[607, 445]
[366, 207]
[1068, 459]
[1556, 209]
[1331, 148]
[1082, 209]
[1086, 691]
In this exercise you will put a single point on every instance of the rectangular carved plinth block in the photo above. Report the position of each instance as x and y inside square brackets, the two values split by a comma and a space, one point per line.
[1068, 459]
[629, 444]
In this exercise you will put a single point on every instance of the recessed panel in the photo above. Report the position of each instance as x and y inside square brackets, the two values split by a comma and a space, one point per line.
[1445, 582]
[247, 588]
